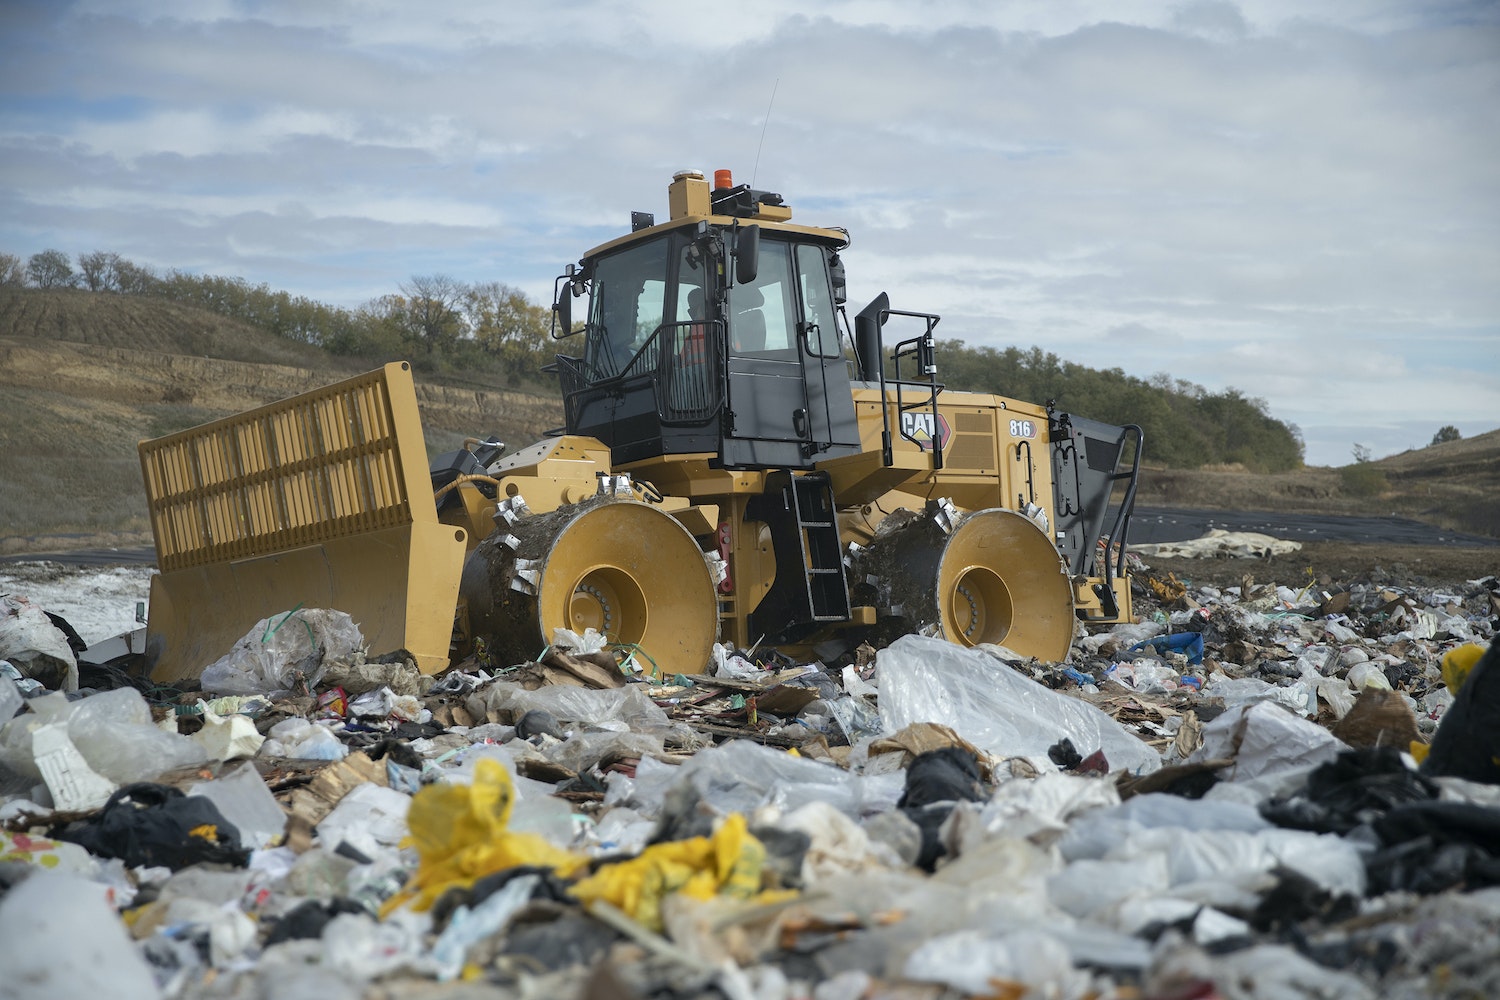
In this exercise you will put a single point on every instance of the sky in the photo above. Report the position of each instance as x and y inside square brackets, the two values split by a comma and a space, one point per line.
[1298, 201]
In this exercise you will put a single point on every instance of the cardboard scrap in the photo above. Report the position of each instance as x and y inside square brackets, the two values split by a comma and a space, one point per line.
[308, 805]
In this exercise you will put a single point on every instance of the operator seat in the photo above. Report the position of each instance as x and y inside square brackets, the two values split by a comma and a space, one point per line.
[749, 320]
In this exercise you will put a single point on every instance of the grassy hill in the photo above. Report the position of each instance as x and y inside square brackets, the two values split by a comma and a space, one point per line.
[134, 323]
[86, 376]
[1452, 485]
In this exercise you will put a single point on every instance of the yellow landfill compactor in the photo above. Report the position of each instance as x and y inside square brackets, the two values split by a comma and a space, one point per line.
[738, 462]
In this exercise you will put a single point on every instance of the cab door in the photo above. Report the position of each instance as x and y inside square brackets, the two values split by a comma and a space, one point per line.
[789, 403]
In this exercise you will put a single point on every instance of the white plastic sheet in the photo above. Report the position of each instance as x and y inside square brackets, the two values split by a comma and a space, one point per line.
[1263, 738]
[61, 938]
[993, 706]
[244, 799]
[114, 732]
[741, 776]
[611, 708]
[35, 646]
[971, 961]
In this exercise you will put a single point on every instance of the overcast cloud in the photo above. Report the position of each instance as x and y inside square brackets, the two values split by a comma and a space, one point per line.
[1305, 207]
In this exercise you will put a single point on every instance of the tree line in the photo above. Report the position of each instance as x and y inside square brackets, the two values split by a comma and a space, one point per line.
[442, 325]
[445, 326]
[1184, 425]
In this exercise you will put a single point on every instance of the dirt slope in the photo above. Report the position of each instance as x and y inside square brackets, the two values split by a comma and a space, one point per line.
[85, 377]
[1452, 485]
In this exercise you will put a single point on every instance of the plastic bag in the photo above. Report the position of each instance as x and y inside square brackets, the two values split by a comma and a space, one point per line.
[1299, 697]
[369, 815]
[1368, 675]
[461, 834]
[727, 663]
[993, 706]
[974, 962]
[11, 699]
[583, 751]
[1095, 834]
[1043, 808]
[227, 737]
[1145, 675]
[49, 923]
[1338, 695]
[591, 641]
[114, 732]
[741, 776]
[305, 740]
[35, 646]
[727, 864]
[627, 705]
[149, 825]
[1189, 644]
[1263, 738]
[284, 653]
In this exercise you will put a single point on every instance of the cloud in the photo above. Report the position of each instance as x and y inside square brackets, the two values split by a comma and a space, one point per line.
[1298, 203]
[1140, 335]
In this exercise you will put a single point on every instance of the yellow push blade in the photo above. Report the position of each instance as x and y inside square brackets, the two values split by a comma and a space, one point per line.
[320, 500]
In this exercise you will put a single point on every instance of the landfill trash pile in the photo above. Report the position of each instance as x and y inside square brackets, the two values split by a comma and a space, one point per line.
[1252, 792]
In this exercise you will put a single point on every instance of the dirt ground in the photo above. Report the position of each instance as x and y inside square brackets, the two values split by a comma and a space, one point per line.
[1342, 563]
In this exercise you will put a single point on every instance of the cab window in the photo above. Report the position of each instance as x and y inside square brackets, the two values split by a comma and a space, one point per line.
[629, 302]
[817, 302]
[762, 313]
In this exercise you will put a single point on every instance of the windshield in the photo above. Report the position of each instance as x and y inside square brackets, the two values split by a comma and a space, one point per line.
[629, 301]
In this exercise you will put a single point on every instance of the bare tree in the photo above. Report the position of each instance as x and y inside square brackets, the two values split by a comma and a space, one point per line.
[432, 314]
[50, 269]
[12, 271]
[100, 271]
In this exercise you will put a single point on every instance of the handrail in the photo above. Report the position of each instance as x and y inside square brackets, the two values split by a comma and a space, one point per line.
[1119, 533]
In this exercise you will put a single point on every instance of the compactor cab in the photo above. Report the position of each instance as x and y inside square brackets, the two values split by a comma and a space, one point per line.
[707, 335]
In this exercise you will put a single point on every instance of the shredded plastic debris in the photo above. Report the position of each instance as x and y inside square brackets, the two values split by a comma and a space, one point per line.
[1223, 799]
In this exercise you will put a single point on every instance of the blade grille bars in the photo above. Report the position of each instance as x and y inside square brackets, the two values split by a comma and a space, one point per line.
[320, 466]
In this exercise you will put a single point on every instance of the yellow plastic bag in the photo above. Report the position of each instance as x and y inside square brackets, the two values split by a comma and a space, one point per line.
[1458, 663]
[727, 864]
[460, 835]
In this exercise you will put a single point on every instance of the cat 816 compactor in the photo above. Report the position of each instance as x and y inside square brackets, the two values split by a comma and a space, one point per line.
[737, 463]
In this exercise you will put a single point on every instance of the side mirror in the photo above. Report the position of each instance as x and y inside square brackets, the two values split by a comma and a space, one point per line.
[562, 305]
[746, 254]
[562, 312]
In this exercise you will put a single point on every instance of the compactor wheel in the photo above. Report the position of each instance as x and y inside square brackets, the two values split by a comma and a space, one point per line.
[995, 577]
[621, 567]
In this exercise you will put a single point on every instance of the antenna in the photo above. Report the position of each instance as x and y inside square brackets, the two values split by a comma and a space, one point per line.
[756, 169]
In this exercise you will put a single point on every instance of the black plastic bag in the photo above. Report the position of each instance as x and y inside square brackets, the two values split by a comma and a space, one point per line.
[1352, 789]
[935, 782]
[1467, 742]
[151, 825]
